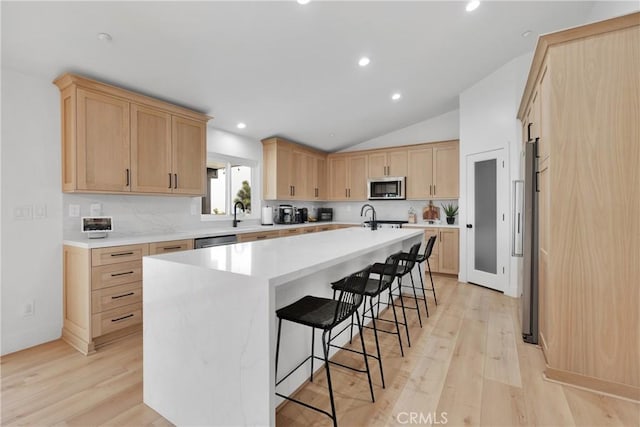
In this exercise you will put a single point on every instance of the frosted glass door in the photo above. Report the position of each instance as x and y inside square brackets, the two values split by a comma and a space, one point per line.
[486, 200]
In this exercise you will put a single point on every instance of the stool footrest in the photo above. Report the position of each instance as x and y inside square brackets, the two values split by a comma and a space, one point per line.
[299, 402]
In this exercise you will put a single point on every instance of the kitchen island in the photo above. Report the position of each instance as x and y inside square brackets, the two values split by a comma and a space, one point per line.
[209, 319]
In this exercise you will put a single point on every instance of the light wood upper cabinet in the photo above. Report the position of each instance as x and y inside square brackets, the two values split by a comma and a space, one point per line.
[433, 171]
[189, 148]
[117, 141]
[291, 171]
[387, 163]
[102, 161]
[150, 150]
[348, 177]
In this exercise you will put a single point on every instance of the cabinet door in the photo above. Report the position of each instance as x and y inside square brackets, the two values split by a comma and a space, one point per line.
[448, 250]
[150, 150]
[397, 163]
[102, 142]
[434, 259]
[189, 156]
[357, 172]
[420, 173]
[321, 178]
[170, 246]
[544, 118]
[446, 177]
[338, 178]
[284, 165]
[377, 164]
[299, 175]
[546, 302]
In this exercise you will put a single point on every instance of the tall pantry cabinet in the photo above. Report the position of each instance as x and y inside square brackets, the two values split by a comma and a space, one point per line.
[582, 102]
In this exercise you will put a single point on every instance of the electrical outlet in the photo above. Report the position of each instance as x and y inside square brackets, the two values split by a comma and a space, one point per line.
[29, 309]
[74, 210]
[40, 211]
[24, 212]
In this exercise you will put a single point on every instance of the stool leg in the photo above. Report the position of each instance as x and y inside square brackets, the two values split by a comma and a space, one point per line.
[433, 287]
[426, 307]
[415, 298]
[325, 349]
[351, 331]
[395, 318]
[313, 340]
[278, 346]
[375, 334]
[366, 360]
[404, 313]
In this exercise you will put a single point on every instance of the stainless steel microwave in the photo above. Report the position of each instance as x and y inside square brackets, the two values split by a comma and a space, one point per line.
[387, 188]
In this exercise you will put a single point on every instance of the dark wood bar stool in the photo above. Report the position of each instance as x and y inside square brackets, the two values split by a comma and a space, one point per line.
[326, 314]
[373, 288]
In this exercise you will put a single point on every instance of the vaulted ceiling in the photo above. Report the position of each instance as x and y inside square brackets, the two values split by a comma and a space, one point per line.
[280, 67]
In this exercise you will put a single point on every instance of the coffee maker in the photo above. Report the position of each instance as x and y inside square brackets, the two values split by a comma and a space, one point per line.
[285, 214]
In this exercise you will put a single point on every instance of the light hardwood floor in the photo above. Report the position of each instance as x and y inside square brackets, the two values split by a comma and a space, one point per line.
[468, 361]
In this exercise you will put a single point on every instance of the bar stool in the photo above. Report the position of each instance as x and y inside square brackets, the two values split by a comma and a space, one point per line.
[425, 257]
[409, 261]
[325, 314]
[372, 289]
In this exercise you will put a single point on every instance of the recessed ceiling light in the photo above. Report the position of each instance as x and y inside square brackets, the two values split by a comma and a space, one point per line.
[396, 96]
[473, 5]
[303, 1]
[364, 61]
[105, 37]
[526, 33]
[241, 125]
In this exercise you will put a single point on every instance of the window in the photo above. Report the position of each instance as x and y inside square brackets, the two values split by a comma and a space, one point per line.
[228, 181]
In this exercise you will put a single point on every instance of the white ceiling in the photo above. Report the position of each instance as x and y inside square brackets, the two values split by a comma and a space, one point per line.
[282, 68]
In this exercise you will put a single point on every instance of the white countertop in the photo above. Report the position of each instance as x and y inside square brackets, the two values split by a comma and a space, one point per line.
[120, 239]
[279, 260]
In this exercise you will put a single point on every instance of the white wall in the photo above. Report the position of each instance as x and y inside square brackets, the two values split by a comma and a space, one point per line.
[440, 128]
[488, 122]
[32, 255]
[609, 9]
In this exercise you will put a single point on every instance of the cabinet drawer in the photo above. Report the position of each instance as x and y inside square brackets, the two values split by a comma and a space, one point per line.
[118, 318]
[309, 230]
[172, 246]
[115, 296]
[325, 227]
[116, 274]
[251, 237]
[290, 232]
[116, 254]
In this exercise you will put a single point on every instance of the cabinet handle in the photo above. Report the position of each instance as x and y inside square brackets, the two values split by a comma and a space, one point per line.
[529, 131]
[261, 237]
[122, 318]
[121, 274]
[345, 192]
[170, 180]
[537, 179]
[349, 193]
[122, 254]
[169, 248]
[430, 189]
[127, 175]
[124, 295]
[175, 180]
[434, 190]
[294, 189]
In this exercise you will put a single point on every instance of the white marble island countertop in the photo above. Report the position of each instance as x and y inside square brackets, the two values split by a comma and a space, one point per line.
[284, 259]
[209, 319]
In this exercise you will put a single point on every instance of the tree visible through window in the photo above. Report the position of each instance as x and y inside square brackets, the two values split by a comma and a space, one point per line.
[227, 183]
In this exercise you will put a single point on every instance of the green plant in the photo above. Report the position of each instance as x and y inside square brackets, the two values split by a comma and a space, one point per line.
[450, 210]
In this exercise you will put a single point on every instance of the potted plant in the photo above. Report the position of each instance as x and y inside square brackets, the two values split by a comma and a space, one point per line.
[450, 210]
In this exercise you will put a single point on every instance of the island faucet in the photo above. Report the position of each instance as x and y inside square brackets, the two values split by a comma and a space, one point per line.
[236, 221]
[367, 207]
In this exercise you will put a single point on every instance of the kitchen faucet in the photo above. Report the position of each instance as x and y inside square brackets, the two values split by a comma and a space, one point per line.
[236, 221]
[367, 207]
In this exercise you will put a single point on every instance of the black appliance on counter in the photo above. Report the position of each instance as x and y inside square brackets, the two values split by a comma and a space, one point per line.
[325, 214]
[287, 214]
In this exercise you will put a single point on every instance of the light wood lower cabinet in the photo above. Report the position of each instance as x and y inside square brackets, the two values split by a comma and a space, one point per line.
[292, 231]
[445, 254]
[170, 246]
[103, 291]
[260, 235]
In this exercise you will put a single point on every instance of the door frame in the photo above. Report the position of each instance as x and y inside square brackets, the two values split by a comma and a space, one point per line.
[499, 281]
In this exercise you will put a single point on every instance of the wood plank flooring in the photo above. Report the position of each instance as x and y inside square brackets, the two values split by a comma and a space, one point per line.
[466, 366]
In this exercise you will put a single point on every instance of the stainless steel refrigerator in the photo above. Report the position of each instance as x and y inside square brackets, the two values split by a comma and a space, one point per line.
[530, 246]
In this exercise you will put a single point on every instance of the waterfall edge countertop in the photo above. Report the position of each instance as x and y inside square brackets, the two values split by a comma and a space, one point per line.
[209, 319]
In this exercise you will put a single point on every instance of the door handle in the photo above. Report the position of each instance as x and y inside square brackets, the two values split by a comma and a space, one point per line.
[469, 225]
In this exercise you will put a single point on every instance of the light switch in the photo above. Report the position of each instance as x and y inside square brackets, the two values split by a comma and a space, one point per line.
[40, 211]
[95, 209]
[24, 212]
